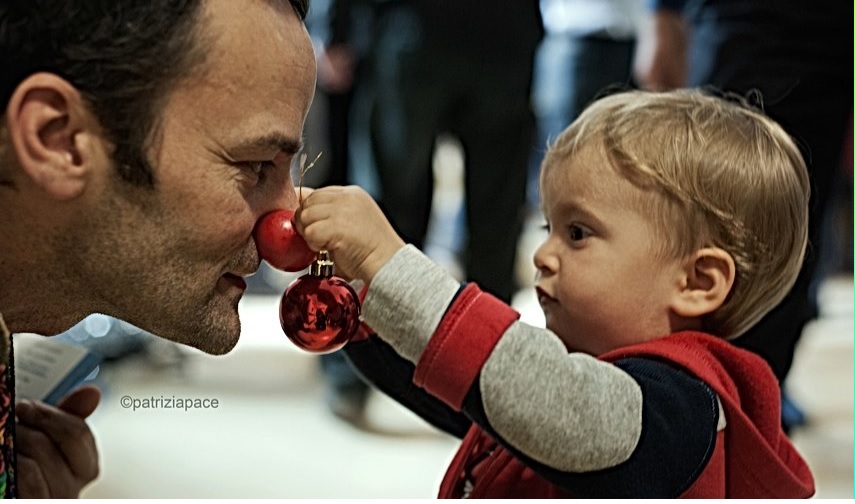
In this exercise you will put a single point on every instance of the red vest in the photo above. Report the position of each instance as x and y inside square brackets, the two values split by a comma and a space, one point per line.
[752, 457]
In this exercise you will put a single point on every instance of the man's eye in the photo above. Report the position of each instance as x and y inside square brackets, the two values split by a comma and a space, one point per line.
[257, 167]
[256, 172]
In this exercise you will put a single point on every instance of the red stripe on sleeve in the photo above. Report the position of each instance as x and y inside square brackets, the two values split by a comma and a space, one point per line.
[461, 345]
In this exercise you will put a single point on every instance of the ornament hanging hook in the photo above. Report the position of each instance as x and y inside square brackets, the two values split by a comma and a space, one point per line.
[303, 170]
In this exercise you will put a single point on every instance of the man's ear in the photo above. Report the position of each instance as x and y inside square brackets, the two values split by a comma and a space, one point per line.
[707, 279]
[53, 135]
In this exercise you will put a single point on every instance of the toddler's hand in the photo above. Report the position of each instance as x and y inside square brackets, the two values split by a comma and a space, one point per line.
[347, 222]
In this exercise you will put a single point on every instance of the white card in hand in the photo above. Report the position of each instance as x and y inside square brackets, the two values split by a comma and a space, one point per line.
[46, 368]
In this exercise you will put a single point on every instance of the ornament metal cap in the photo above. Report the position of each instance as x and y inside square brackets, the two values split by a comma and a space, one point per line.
[322, 266]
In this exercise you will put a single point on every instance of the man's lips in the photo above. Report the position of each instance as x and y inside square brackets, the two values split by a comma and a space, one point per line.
[235, 280]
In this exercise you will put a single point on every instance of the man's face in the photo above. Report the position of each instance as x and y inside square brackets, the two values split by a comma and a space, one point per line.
[170, 259]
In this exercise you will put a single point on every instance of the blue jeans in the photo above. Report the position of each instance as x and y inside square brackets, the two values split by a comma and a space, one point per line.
[569, 72]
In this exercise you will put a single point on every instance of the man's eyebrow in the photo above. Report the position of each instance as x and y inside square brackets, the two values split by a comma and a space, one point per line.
[278, 141]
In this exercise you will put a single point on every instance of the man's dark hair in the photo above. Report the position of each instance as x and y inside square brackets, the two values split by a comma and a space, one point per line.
[123, 56]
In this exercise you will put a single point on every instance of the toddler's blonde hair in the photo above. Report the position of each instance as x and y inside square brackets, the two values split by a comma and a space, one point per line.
[714, 172]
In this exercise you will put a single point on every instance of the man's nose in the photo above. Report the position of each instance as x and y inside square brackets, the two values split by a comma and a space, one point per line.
[284, 197]
[289, 198]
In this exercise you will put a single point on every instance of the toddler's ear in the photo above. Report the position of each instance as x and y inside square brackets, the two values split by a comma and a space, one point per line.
[709, 276]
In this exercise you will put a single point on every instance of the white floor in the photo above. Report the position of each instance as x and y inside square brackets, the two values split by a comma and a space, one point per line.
[271, 435]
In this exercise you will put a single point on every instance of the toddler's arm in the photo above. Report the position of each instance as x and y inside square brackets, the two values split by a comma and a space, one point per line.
[575, 419]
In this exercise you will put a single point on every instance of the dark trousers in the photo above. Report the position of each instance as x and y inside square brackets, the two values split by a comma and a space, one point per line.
[417, 95]
[793, 54]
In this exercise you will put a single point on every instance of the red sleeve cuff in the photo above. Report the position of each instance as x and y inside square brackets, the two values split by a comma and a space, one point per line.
[461, 345]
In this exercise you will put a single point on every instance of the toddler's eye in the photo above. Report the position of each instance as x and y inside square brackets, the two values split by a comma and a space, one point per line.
[577, 233]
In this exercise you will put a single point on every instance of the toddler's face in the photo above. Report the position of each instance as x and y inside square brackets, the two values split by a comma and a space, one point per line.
[600, 282]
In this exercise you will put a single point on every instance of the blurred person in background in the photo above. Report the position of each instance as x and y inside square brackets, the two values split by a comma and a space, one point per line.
[404, 73]
[462, 68]
[587, 49]
[791, 57]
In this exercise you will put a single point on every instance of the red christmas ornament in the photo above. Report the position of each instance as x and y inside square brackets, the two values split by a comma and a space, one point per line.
[280, 244]
[319, 312]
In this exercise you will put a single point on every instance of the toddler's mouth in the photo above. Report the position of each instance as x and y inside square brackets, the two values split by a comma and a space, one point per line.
[543, 298]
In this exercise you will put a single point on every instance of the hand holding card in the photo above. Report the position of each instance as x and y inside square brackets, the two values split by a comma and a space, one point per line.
[46, 369]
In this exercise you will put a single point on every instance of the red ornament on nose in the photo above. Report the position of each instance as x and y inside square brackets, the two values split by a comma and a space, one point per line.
[280, 244]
